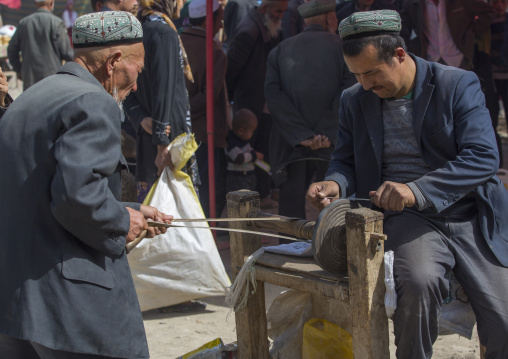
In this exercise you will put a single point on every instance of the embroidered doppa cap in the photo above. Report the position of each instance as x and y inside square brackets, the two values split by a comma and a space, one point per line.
[316, 7]
[197, 8]
[370, 23]
[105, 29]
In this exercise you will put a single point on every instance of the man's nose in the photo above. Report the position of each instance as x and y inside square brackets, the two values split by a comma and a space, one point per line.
[367, 85]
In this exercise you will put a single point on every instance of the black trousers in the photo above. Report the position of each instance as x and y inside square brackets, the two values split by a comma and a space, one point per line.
[292, 192]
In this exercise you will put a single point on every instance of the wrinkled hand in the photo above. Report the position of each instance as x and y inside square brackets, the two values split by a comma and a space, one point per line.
[259, 155]
[3, 88]
[137, 224]
[393, 196]
[316, 142]
[163, 159]
[317, 191]
[152, 213]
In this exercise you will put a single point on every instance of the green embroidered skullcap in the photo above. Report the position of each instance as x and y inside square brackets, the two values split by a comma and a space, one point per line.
[316, 7]
[370, 23]
[105, 29]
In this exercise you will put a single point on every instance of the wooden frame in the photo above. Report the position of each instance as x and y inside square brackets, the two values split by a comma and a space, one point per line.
[354, 302]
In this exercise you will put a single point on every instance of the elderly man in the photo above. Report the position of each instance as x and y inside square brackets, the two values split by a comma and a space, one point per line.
[417, 138]
[67, 290]
[305, 77]
[257, 34]
[39, 45]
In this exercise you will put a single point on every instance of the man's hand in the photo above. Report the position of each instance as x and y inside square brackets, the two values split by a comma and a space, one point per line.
[317, 191]
[393, 196]
[146, 123]
[137, 224]
[3, 88]
[152, 213]
[259, 155]
[163, 159]
[316, 142]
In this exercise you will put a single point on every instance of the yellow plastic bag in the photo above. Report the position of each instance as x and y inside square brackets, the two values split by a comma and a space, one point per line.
[325, 340]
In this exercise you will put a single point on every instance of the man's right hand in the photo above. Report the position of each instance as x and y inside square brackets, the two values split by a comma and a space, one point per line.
[317, 191]
[137, 224]
[163, 159]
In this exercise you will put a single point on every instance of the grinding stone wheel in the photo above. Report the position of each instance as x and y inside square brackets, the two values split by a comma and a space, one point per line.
[329, 237]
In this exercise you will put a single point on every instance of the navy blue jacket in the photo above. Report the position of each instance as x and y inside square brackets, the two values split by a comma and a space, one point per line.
[456, 138]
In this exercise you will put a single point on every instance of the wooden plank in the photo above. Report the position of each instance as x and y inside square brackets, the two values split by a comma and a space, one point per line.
[305, 265]
[308, 284]
[366, 284]
[251, 327]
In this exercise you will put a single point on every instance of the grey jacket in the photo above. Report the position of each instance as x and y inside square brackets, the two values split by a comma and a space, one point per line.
[247, 54]
[305, 77]
[42, 41]
[64, 276]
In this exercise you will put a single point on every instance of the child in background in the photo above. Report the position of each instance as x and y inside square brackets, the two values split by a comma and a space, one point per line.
[240, 154]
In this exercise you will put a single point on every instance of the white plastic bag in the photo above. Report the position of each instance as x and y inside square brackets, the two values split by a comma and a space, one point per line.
[183, 264]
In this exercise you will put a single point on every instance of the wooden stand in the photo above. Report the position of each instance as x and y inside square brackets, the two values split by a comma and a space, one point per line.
[354, 302]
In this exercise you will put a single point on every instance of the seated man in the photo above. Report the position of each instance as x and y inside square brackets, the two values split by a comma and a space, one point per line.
[416, 137]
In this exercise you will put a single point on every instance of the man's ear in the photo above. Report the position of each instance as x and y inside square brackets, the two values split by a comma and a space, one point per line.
[263, 8]
[400, 54]
[113, 61]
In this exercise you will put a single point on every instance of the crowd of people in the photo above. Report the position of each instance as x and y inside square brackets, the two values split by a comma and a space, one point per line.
[397, 100]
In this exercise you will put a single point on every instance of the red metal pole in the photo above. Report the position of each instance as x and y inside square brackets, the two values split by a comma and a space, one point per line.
[209, 108]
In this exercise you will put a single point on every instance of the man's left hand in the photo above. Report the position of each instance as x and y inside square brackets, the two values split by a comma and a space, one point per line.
[393, 196]
[152, 213]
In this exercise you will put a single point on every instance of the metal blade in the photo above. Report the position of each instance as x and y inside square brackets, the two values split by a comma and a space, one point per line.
[371, 199]
[224, 219]
[158, 224]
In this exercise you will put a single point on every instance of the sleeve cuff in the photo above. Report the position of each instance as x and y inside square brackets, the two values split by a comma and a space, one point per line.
[421, 201]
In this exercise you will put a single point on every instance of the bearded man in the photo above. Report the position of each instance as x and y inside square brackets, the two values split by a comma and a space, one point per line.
[256, 35]
[67, 290]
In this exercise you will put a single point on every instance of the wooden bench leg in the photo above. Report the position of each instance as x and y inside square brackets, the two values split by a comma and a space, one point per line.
[365, 256]
[252, 334]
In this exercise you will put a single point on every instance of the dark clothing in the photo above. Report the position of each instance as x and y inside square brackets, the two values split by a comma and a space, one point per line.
[467, 20]
[234, 13]
[42, 42]
[245, 77]
[236, 181]
[240, 168]
[66, 282]
[292, 21]
[305, 77]
[292, 192]
[161, 95]
[220, 179]
[350, 7]
[13, 348]
[454, 134]
[194, 41]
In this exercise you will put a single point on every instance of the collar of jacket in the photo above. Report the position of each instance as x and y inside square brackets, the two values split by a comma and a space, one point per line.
[314, 27]
[258, 19]
[76, 69]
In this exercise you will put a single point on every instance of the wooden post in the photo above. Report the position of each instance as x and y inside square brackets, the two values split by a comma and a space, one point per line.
[252, 335]
[365, 256]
